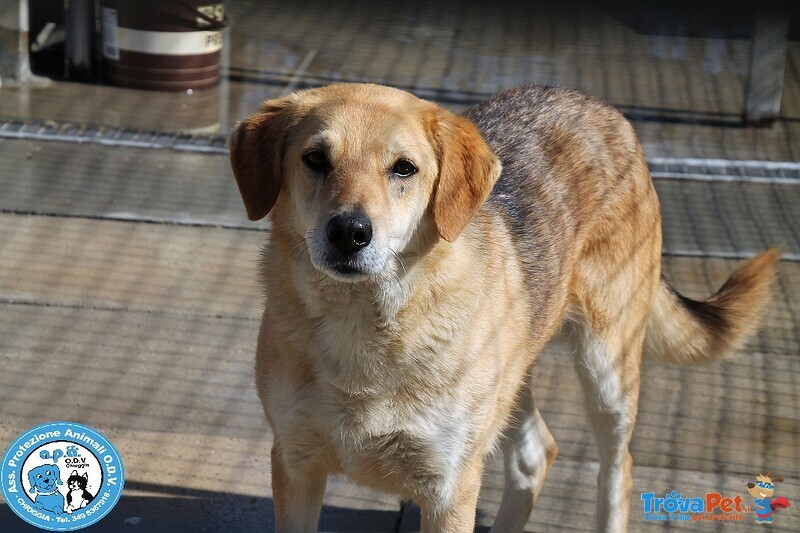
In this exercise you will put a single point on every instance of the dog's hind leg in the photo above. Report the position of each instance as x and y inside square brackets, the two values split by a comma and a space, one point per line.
[611, 402]
[528, 453]
[609, 334]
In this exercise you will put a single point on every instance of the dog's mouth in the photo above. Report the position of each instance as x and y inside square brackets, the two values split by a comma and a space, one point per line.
[350, 268]
[347, 268]
[763, 494]
[346, 271]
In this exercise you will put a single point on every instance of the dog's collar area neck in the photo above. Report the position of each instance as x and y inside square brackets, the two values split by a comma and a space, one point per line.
[47, 493]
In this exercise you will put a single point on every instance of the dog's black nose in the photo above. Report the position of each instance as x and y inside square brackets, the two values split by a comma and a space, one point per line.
[349, 232]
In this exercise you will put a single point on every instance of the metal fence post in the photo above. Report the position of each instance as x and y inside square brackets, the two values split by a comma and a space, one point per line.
[767, 63]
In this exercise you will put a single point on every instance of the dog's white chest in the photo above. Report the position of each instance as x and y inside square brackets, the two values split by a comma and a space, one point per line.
[382, 406]
[377, 439]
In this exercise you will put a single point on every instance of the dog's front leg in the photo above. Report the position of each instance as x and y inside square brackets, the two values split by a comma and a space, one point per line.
[297, 492]
[454, 511]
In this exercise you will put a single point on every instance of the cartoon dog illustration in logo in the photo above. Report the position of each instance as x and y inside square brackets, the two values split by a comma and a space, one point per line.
[45, 480]
[78, 496]
[762, 490]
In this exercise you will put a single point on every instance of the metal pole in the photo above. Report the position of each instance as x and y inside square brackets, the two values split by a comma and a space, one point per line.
[767, 63]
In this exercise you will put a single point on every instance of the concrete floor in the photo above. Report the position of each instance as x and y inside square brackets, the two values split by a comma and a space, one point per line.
[128, 299]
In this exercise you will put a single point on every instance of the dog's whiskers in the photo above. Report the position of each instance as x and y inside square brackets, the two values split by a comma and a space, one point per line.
[399, 260]
[301, 246]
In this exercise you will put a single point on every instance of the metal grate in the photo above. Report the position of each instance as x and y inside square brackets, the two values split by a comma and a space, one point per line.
[780, 172]
[49, 130]
[786, 172]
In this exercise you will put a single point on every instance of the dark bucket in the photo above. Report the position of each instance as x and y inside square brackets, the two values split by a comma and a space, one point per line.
[163, 45]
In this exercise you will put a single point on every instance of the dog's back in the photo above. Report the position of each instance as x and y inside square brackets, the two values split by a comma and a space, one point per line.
[573, 174]
[574, 177]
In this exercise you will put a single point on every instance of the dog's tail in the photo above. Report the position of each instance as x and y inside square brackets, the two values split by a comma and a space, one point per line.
[685, 331]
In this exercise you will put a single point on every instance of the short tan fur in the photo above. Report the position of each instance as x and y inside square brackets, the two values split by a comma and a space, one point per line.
[417, 264]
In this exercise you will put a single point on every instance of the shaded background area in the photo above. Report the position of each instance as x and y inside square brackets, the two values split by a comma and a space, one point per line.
[678, 69]
[128, 299]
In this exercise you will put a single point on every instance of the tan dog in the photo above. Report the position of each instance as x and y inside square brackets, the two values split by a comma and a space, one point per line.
[411, 283]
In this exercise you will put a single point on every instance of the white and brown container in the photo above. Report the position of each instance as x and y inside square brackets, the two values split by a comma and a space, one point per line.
[166, 45]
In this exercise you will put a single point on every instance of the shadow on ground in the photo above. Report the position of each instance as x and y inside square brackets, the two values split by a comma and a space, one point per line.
[173, 509]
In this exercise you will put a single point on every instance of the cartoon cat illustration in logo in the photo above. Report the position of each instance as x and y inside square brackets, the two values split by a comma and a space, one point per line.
[78, 497]
[45, 480]
[762, 490]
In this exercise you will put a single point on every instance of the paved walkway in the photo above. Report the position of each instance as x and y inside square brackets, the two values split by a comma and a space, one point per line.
[128, 302]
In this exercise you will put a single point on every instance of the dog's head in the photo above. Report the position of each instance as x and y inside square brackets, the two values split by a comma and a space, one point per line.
[764, 487]
[44, 478]
[359, 172]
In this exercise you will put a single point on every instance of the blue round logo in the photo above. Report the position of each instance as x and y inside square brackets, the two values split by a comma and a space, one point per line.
[61, 476]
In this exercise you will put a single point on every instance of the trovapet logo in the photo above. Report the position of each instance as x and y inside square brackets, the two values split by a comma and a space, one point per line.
[675, 506]
[713, 506]
[61, 476]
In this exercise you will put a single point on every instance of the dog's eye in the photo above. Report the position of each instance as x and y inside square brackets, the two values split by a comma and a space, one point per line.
[316, 161]
[404, 168]
[38, 476]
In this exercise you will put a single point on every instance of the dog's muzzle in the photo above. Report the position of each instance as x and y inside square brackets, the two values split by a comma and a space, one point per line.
[348, 250]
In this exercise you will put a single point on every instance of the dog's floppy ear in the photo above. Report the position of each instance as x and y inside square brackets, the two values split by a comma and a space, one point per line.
[468, 169]
[257, 146]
